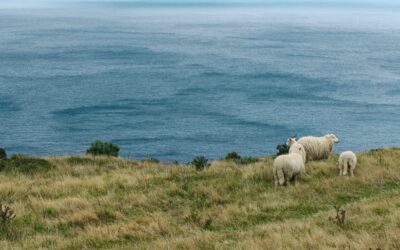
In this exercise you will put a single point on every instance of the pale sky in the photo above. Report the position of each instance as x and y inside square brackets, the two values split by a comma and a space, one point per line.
[341, 2]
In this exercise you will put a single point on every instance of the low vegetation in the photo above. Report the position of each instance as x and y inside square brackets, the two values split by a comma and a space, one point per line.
[25, 164]
[3, 154]
[98, 202]
[282, 149]
[103, 148]
[235, 157]
[199, 162]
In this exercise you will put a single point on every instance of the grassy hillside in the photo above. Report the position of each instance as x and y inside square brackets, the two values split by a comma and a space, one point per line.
[110, 203]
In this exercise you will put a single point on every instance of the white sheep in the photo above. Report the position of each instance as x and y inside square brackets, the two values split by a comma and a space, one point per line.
[288, 167]
[347, 162]
[318, 148]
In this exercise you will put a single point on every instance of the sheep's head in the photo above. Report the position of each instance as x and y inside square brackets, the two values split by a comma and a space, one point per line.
[297, 148]
[332, 138]
[290, 141]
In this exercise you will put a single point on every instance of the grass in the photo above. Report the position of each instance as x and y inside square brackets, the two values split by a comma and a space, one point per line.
[110, 203]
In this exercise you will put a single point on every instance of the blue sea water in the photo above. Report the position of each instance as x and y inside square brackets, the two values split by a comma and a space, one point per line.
[175, 82]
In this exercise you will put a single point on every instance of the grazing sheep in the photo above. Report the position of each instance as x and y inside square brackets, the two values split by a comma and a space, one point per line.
[288, 167]
[318, 148]
[347, 162]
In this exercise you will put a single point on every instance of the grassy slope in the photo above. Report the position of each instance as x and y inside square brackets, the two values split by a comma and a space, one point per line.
[114, 203]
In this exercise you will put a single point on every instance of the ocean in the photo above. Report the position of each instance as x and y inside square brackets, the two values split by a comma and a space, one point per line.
[173, 82]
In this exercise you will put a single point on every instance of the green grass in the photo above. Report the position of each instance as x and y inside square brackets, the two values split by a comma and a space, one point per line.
[111, 203]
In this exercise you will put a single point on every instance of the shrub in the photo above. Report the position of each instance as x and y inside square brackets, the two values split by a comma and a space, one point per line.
[200, 162]
[232, 156]
[25, 164]
[3, 154]
[103, 148]
[282, 149]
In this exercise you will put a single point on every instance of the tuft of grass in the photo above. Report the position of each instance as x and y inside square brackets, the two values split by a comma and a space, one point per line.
[247, 160]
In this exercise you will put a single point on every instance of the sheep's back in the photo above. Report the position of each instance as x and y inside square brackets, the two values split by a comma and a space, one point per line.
[290, 163]
[316, 147]
[348, 156]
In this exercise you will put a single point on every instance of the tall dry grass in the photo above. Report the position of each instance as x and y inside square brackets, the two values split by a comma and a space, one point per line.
[111, 203]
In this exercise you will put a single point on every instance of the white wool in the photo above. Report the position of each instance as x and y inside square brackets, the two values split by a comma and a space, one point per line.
[287, 167]
[347, 163]
[318, 148]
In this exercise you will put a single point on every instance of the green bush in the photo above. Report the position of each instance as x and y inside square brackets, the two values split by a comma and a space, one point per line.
[103, 148]
[3, 154]
[232, 156]
[200, 162]
[282, 149]
[25, 164]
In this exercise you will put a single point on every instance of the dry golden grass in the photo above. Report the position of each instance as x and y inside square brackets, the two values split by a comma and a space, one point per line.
[111, 203]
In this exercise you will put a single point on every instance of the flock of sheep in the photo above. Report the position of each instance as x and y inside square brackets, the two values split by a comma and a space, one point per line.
[288, 167]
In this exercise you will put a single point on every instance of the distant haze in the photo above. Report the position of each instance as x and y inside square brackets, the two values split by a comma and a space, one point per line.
[283, 2]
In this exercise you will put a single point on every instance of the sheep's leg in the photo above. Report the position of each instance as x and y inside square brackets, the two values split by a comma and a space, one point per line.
[295, 179]
[345, 167]
[276, 176]
[351, 170]
[340, 170]
[287, 180]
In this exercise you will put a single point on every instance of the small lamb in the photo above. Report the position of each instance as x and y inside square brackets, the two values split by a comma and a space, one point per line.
[347, 163]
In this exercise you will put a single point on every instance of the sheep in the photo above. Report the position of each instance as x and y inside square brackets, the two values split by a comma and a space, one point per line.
[287, 167]
[318, 148]
[347, 162]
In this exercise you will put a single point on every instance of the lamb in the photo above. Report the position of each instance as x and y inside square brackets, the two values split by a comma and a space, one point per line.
[318, 148]
[288, 167]
[347, 162]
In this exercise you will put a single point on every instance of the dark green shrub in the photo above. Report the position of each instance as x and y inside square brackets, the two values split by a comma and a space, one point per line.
[282, 149]
[200, 162]
[3, 154]
[232, 156]
[103, 148]
[25, 164]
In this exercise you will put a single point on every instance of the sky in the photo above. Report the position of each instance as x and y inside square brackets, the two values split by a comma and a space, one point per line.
[342, 3]
[377, 2]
